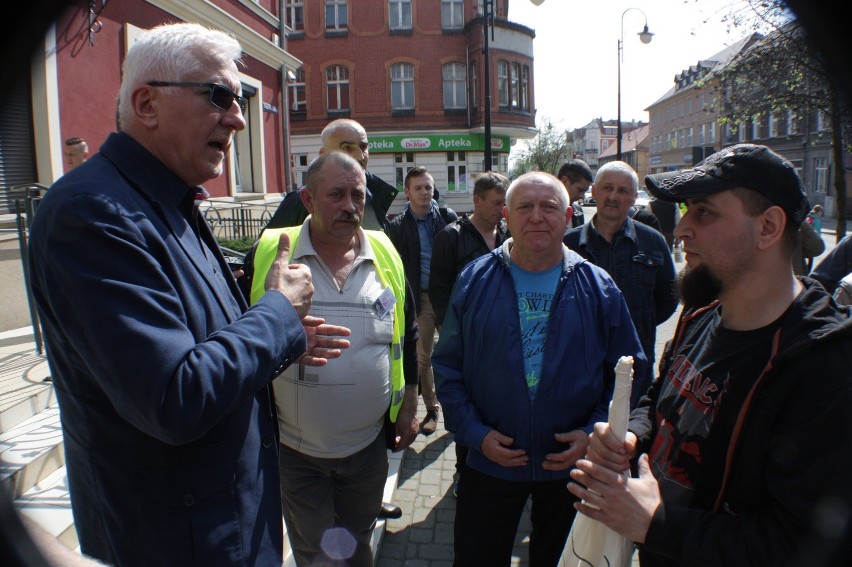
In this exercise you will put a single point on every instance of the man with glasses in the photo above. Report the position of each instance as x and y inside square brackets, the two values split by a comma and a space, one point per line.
[161, 371]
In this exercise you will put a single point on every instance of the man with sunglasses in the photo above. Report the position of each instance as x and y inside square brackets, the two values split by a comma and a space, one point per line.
[161, 371]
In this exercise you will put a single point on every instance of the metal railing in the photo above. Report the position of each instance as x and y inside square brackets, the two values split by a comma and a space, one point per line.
[236, 221]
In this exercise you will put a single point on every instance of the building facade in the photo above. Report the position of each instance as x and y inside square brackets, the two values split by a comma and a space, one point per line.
[73, 85]
[413, 74]
[594, 140]
[686, 127]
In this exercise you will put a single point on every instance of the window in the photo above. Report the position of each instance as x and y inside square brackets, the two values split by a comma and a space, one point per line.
[399, 14]
[337, 88]
[402, 86]
[701, 137]
[503, 82]
[402, 163]
[455, 91]
[336, 16]
[300, 169]
[514, 85]
[294, 15]
[457, 172]
[452, 14]
[762, 126]
[297, 102]
[711, 133]
[820, 175]
[247, 173]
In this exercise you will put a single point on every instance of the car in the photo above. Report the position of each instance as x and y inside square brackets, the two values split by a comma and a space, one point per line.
[587, 197]
[642, 199]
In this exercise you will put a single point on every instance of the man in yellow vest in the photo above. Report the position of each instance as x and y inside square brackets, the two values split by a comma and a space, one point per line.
[337, 421]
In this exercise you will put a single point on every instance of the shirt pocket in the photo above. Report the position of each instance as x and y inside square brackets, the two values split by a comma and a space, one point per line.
[377, 330]
[645, 266]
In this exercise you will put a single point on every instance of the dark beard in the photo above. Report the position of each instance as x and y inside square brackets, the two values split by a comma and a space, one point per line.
[697, 287]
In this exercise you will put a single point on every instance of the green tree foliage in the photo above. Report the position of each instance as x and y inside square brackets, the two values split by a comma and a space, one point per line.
[783, 72]
[546, 152]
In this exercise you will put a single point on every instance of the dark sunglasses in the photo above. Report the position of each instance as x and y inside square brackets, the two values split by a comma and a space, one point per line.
[220, 95]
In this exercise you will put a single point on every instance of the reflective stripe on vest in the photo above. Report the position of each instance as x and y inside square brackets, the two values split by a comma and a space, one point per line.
[389, 269]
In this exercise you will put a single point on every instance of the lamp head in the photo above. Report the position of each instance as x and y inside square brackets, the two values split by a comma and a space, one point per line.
[537, 2]
[644, 36]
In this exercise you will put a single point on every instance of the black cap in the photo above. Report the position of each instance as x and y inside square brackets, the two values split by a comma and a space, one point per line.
[744, 165]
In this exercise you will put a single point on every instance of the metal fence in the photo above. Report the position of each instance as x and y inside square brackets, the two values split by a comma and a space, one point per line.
[236, 221]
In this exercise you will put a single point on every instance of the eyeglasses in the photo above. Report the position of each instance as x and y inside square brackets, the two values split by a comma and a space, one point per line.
[220, 95]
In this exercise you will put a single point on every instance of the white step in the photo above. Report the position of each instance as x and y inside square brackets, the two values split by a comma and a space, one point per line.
[22, 382]
[48, 504]
[31, 451]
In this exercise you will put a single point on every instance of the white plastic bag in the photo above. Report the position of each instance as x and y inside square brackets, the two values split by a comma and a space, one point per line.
[591, 543]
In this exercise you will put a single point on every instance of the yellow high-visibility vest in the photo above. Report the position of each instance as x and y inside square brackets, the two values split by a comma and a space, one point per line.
[391, 274]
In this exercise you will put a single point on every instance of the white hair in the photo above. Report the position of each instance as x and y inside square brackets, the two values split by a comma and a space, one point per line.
[170, 52]
[618, 167]
[539, 178]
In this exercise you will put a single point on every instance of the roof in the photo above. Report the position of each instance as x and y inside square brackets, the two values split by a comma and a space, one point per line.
[708, 66]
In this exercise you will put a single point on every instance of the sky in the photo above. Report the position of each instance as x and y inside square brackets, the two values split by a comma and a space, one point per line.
[576, 53]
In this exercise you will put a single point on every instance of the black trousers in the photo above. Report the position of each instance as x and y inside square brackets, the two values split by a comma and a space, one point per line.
[488, 511]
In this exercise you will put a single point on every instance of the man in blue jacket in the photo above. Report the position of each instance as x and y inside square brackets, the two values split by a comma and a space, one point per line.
[525, 367]
[161, 371]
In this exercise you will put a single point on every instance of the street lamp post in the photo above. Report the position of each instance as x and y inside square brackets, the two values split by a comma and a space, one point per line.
[645, 37]
[488, 22]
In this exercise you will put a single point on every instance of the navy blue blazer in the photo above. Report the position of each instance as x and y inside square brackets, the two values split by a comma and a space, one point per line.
[161, 371]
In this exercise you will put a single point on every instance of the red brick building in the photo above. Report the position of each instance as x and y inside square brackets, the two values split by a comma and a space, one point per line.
[412, 73]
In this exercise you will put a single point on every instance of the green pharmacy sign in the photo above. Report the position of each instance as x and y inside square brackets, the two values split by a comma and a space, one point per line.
[436, 143]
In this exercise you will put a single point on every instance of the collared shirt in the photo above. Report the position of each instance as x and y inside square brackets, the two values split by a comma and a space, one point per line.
[426, 236]
[336, 410]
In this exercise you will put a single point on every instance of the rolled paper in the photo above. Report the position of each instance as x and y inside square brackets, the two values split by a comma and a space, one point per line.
[619, 407]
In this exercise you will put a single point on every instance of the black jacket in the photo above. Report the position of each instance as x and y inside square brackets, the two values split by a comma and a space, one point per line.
[292, 212]
[402, 231]
[764, 491]
[454, 247]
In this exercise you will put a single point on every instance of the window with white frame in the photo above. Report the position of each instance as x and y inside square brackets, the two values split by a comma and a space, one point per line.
[337, 88]
[701, 135]
[402, 86]
[524, 97]
[399, 14]
[452, 14]
[247, 172]
[294, 15]
[515, 86]
[457, 172]
[297, 101]
[820, 175]
[336, 15]
[503, 82]
[402, 162]
[455, 91]
[711, 133]
[301, 163]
